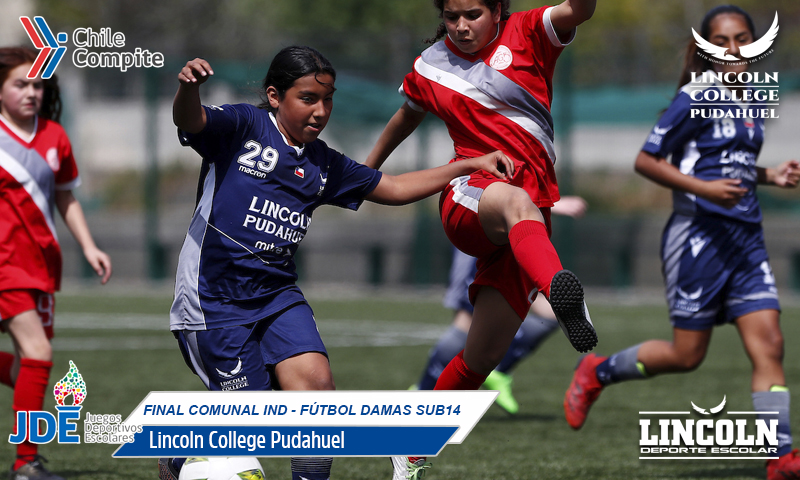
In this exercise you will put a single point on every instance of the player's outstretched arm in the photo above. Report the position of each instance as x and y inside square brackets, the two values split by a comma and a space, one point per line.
[72, 213]
[568, 15]
[785, 175]
[725, 192]
[413, 186]
[570, 206]
[405, 121]
[187, 111]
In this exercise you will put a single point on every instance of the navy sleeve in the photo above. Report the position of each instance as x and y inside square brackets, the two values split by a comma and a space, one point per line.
[224, 125]
[674, 128]
[349, 182]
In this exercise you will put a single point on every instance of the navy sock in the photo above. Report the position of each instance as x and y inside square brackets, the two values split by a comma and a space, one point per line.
[311, 468]
[776, 400]
[178, 463]
[621, 366]
[533, 331]
[448, 346]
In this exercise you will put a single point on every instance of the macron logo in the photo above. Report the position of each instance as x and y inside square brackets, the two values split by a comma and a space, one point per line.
[697, 244]
[45, 47]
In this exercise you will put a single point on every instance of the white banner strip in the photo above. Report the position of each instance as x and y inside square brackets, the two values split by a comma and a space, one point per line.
[317, 408]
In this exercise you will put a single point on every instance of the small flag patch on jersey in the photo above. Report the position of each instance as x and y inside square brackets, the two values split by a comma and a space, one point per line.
[300, 172]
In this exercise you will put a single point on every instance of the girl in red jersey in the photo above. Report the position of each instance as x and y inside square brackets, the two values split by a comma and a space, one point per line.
[37, 171]
[490, 80]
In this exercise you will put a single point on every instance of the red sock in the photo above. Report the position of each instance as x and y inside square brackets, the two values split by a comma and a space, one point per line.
[29, 395]
[457, 376]
[6, 360]
[534, 253]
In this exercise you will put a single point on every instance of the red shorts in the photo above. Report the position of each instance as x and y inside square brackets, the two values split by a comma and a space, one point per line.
[497, 267]
[14, 302]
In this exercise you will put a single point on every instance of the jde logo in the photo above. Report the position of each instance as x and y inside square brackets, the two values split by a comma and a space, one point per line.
[755, 435]
[42, 427]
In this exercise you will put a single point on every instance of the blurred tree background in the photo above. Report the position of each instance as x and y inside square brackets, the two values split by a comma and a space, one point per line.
[621, 70]
[628, 42]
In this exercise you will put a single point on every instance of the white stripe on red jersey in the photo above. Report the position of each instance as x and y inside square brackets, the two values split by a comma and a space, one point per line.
[30, 172]
[498, 98]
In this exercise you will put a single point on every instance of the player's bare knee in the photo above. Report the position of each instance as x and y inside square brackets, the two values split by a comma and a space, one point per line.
[520, 207]
[319, 381]
[774, 344]
[690, 362]
[41, 350]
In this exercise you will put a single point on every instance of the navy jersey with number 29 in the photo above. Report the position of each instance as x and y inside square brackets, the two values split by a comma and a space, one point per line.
[256, 198]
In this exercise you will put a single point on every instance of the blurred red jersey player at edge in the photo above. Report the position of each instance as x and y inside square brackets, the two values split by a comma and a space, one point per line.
[37, 172]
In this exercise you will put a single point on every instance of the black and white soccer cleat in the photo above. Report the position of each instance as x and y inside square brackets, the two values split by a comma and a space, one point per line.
[566, 298]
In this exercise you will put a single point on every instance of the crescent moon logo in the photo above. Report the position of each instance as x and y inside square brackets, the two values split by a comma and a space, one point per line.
[710, 411]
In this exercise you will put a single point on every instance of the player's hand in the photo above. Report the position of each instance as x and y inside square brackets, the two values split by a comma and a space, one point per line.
[100, 262]
[725, 192]
[787, 174]
[196, 72]
[571, 206]
[496, 163]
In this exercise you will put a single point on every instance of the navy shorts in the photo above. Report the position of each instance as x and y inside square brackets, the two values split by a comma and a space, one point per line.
[243, 357]
[462, 274]
[715, 271]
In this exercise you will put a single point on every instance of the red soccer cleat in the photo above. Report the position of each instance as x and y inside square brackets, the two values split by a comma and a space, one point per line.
[583, 391]
[784, 467]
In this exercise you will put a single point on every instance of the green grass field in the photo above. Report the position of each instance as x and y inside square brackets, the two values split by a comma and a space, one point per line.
[383, 345]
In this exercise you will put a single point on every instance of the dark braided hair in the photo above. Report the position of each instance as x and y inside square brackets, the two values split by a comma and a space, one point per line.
[13, 57]
[441, 30]
[290, 64]
[695, 63]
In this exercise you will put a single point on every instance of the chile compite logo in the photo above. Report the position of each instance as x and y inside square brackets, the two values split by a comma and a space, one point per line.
[82, 57]
[29, 424]
[52, 44]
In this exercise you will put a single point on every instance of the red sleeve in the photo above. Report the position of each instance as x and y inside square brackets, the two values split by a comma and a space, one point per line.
[67, 176]
[413, 90]
[536, 27]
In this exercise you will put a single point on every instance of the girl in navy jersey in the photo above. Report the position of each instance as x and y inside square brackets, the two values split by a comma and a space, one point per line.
[240, 319]
[715, 264]
[37, 172]
[490, 81]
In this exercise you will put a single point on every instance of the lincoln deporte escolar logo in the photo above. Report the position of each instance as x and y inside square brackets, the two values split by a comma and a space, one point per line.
[50, 44]
[675, 435]
[751, 50]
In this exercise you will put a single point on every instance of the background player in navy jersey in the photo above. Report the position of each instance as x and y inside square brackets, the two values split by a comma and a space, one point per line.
[239, 317]
[715, 264]
[37, 173]
[536, 327]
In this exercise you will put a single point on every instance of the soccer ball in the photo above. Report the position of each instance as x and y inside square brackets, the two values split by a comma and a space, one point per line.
[221, 468]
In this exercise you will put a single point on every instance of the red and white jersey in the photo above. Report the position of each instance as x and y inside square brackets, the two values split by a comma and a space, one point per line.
[498, 98]
[32, 168]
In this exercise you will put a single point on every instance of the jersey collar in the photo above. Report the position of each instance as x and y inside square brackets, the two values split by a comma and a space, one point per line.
[20, 134]
[297, 149]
